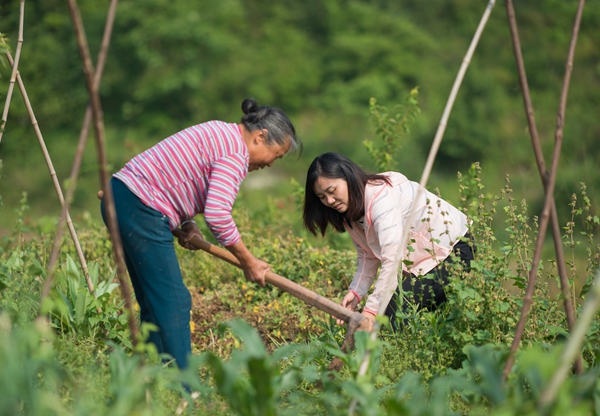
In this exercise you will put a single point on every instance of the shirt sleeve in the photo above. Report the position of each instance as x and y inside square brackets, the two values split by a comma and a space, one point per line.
[366, 271]
[224, 183]
[386, 220]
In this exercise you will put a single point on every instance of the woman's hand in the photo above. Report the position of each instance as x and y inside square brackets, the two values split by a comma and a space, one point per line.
[191, 230]
[256, 271]
[350, 301]
[370, 318]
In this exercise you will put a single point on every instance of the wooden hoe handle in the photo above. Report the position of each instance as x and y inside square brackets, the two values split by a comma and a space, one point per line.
[308, 296]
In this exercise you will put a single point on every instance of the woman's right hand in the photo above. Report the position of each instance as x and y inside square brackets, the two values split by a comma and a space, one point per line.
[191, 230]
[350, 301]
[256, 271]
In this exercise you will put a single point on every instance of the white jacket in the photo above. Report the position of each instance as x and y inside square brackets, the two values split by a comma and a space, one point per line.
[435, 228]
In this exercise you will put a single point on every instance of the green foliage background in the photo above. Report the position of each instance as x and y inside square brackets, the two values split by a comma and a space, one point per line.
[342, 70]
[176, 63]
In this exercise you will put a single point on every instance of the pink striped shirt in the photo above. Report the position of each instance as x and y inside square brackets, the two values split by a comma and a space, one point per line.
[198, 170]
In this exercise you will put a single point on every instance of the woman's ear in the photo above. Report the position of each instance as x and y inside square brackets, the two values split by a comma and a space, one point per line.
[261, 136]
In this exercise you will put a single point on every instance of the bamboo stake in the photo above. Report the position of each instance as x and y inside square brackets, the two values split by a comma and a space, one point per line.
[427, 170]
[64, 203]
[539, 157]
[573, 347]
[50, 167]
[13, 75]
[558, 137]
[81, 147]
[99, 134]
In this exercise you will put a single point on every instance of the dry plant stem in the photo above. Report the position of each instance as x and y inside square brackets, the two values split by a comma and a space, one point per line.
[539, 157]
[108, 195]
[572, 348]
[428, 167]
[558, 137]
[50, 168]
[13, 75]
[80, 149]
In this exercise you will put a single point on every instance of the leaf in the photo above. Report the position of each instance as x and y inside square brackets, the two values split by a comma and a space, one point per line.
[80, 304]
[262, 379]
[253, 344]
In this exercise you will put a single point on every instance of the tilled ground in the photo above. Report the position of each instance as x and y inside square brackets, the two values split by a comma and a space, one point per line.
[275, 326]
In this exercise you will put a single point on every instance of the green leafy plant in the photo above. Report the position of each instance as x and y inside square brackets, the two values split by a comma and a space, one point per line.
[392, 126]
[252, 381]
[130, 381]
[30, 379]
[74, 309]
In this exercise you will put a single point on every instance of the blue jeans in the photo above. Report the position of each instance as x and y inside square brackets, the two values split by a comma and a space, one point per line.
[154, 271]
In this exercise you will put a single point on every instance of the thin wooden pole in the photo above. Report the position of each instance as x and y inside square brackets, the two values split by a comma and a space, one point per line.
[81, 147]
[572, 348]
[539, 157]
[13, 75]
[99, 134]
[558, 138]
[364, 366]
[50, 167]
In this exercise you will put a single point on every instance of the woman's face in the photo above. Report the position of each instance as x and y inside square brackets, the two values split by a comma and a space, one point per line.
[262, 155]
[332, 193]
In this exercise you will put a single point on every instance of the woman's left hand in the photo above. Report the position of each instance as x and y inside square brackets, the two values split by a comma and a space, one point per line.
[191, 230]
[371, 318]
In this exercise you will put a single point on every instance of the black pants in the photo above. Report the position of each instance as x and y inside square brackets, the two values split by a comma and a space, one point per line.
[427, 292]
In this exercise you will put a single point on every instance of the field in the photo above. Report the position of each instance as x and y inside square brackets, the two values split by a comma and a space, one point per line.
[259, 351]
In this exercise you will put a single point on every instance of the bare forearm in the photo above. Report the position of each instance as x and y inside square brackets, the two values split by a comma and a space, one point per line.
[254, 269]
[241, 252]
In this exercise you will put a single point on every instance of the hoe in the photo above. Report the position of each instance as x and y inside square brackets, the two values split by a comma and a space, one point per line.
[354, 319]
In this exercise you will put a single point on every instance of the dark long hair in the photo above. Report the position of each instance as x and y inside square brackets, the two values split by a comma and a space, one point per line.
[316, 215]
[280, 129]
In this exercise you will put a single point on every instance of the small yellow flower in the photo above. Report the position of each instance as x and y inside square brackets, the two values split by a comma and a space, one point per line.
[192, 326]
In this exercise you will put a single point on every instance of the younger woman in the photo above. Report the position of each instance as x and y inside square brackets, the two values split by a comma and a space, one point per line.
[374, 209]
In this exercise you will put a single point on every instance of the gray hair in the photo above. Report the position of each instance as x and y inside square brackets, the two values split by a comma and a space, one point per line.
[280, 129]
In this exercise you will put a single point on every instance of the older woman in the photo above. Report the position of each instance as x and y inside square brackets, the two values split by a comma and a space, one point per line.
[198, 170]
[374, 209]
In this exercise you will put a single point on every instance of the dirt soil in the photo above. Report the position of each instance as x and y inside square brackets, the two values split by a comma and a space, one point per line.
[208, 311]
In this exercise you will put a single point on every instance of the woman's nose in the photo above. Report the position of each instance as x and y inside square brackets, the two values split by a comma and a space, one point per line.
[330, 200]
